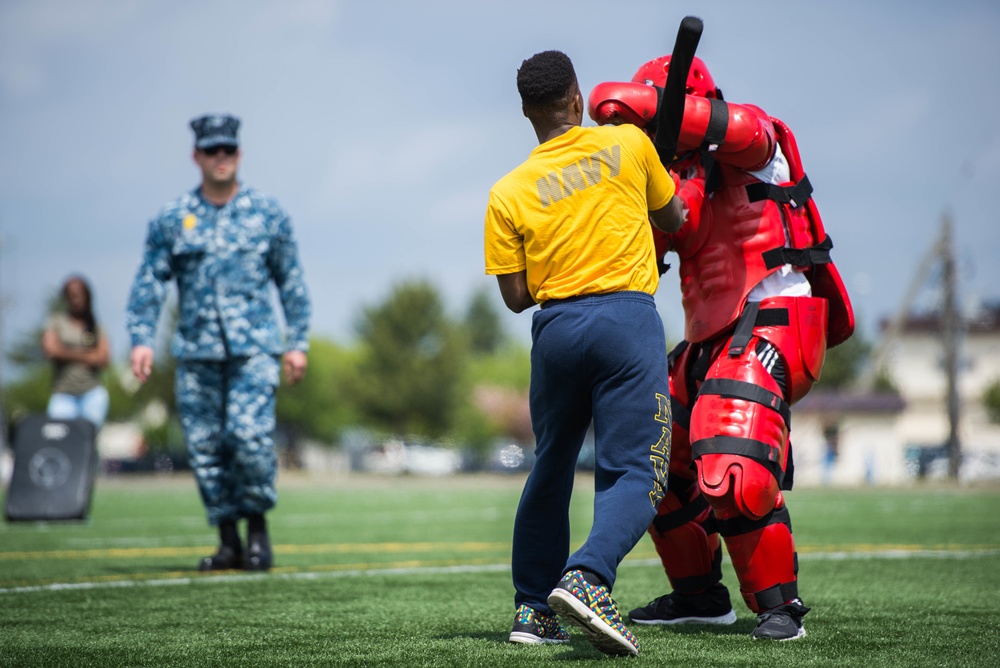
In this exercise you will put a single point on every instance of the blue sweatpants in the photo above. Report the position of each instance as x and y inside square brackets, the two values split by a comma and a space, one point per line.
[600, 358]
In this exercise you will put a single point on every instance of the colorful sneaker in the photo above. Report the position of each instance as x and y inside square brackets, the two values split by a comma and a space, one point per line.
[535, 628]
[711, 606]
[781, 623]
[591, 608]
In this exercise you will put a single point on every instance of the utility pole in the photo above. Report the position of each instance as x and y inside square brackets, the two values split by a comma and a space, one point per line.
[950, 331]
[866, 380]
[950, 321]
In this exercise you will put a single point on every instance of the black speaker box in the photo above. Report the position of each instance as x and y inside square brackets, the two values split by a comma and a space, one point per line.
[54, 466]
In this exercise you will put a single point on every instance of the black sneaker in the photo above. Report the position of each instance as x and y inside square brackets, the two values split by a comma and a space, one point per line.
[224, 559]
[591, 607]
[711, 606]
[781, 623]
[534, 628]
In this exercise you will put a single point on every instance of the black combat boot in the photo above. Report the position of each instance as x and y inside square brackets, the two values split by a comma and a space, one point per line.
[230, 552]
[258, 553]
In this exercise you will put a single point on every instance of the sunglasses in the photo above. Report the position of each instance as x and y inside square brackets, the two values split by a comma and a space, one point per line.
[214, 150]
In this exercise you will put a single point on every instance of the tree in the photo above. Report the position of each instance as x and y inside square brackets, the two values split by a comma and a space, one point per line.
[843, 363]
[482, 324]
[30, 392]
[320, 405]
[991, 399]
[411, 363]
[495, 401]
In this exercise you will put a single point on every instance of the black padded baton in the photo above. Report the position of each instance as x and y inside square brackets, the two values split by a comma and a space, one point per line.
[671, 109]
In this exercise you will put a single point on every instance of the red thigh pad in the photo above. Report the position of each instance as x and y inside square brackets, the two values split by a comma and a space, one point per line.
[801, 343]
[739, 437]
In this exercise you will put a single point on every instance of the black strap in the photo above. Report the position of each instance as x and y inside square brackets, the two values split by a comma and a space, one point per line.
[737, 389]
[794, 195]
[699, 368]
[777, 595]
[744, 329]
[718, 123]
[760, 452]
[772, 317]
[789, 479]
[752, 317]
[680, 414]
[694, 584]
[681, 516]
[713, 175]
[740, 525]
[799, 257]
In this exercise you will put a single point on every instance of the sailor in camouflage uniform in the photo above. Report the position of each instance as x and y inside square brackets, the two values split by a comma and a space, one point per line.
[224, 243]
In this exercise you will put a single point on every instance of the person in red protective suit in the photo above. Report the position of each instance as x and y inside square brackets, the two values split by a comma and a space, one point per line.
[762, 303]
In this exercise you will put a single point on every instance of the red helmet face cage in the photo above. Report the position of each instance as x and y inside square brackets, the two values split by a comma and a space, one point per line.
[699, 80]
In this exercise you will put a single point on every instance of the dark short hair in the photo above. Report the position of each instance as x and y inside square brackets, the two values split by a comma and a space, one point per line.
[89, 322]
[546, 80]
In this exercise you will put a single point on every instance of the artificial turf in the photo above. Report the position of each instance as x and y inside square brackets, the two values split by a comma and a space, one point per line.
[407, 571]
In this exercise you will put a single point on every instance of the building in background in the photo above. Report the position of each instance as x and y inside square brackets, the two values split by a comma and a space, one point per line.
[893, 439]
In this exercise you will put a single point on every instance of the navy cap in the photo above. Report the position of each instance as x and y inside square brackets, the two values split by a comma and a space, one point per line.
[215, 130]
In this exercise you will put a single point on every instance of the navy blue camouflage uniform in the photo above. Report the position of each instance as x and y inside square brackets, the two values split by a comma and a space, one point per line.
[228, 341]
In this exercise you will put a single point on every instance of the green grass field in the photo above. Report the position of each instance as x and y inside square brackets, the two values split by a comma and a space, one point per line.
[415, 572]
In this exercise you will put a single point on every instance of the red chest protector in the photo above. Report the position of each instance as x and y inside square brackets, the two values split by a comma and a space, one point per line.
[742, 231]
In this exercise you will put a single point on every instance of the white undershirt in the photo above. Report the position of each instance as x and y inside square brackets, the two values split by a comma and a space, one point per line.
[786, 282]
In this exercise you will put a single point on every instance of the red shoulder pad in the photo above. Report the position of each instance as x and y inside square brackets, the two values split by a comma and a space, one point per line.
[622, 102]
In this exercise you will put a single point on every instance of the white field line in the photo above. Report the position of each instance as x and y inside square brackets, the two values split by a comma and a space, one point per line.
[469, 568]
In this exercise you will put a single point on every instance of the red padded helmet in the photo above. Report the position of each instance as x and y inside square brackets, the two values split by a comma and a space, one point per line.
[699, 81]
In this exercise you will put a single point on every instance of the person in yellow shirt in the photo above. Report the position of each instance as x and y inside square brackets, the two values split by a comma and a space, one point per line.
[569, 229]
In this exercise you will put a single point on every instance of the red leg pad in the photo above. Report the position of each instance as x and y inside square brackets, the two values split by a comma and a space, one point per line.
[688, 553]
[762, 559]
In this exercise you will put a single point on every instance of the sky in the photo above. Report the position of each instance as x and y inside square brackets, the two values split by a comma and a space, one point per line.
[381, 126]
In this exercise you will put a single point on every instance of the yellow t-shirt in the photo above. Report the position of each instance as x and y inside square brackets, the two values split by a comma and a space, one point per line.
[574, 215]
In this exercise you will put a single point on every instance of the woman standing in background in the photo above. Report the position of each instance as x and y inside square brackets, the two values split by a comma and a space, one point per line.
[78, 349]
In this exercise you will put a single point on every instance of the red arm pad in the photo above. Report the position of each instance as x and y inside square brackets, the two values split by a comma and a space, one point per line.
[749, 137]
[691, 192]
[625, 102]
